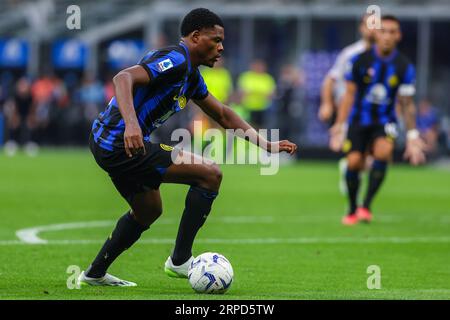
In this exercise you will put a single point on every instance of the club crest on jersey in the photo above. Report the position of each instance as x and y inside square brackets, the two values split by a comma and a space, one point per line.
[393, 80]
[165, 65]
[181, 101]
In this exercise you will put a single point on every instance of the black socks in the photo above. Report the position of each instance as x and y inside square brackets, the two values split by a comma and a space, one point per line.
[376, 177]
[126, 233]
[352, 179]
[197, 207]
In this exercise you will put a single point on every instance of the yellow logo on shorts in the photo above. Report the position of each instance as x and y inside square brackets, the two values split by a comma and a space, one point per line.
[165, 147]
[346, 146]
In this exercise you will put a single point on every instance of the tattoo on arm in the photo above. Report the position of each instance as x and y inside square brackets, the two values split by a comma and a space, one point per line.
[409, 112]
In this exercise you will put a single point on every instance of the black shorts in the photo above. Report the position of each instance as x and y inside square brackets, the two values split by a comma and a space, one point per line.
[360, 138]
[137, 174]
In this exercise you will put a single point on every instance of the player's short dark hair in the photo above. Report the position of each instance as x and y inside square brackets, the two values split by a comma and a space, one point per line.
[390, 17]
[198, 19]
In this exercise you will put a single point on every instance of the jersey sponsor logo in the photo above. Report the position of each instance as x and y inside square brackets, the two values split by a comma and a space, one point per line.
[165, 147]
[378, 95]
[165, 65]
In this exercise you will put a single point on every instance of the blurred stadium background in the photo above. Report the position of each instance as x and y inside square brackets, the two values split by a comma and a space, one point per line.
[54, 81]
[282, 233]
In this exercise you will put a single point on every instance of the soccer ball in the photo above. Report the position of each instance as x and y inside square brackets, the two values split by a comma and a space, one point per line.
[210, 273]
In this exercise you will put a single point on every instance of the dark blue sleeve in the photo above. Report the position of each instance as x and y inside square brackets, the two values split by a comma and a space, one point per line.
[158, 64]
[351, 72]
[410, 75]
[200, 91]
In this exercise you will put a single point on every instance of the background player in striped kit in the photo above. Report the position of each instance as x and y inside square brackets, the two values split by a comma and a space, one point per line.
[333, 87]
[376, 79]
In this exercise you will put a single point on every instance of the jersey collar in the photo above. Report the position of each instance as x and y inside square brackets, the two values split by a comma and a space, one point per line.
[385, 59]
[187, 54]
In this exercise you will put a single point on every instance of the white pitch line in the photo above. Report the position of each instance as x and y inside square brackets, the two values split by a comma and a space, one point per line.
[256, 241]
[31, 235]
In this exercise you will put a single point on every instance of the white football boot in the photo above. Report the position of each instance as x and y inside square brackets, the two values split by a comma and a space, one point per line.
[174, 271]
[342, 176]
[106, 280]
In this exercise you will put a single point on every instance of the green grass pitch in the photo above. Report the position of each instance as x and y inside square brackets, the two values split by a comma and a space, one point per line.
[282, 233]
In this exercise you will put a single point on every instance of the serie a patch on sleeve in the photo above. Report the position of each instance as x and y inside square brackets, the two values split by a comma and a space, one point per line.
[165, 65]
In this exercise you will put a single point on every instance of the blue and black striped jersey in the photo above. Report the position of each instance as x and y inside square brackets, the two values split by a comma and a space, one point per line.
[379, 80]
[173, 81]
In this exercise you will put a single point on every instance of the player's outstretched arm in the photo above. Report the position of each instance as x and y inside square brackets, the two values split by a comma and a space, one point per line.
[337, 71]
[339, 129]
[326, 99]
[228, 119]
[123, 87]
[415, 146]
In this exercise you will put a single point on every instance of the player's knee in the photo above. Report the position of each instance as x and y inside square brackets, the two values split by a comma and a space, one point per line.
[383, 150]
[382, 157]
[215, 175]
[355, 162]
[152, 216]
[383, 154]
[212, 177]
[354, 166]
[156, 213]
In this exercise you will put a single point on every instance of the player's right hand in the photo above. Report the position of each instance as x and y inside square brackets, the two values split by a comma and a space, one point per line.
[337, 136]
[325, 112]
[414, 151]
[282, 146]
[133, 140]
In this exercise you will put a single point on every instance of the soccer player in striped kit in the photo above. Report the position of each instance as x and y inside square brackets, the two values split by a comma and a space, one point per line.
[375, 81]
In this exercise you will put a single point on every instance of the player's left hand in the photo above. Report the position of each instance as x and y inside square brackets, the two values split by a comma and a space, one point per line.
[283, 145]
[325, 112]
[414, 151]
[337, 136]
